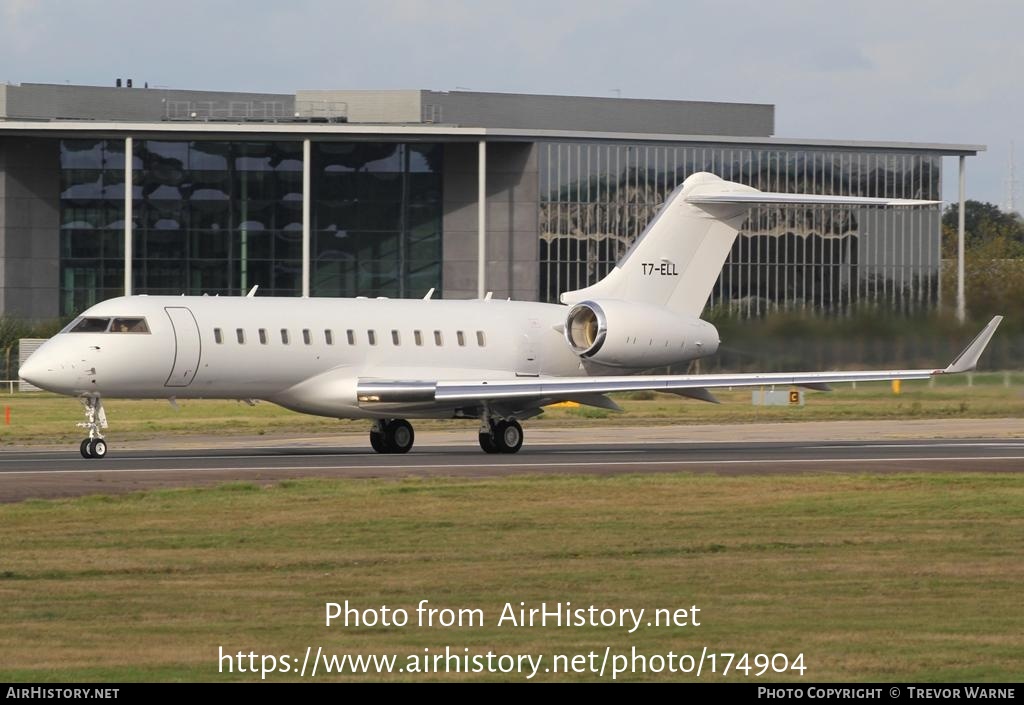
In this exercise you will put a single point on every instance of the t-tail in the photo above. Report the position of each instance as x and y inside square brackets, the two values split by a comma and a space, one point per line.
[677, 259]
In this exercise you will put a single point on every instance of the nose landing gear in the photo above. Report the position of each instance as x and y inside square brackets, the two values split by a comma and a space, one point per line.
[95, 421]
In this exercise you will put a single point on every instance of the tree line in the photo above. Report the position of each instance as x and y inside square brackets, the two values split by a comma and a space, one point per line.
[993, 260]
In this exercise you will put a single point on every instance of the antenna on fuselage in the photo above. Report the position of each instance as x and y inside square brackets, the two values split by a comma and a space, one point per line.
[430, 294]
[252, 291]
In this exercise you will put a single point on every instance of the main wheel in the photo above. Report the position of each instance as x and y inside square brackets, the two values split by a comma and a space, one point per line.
[399, 436]
[508, 436]
[377, 442]
[84, 449]
[487, 443]
[97, 448]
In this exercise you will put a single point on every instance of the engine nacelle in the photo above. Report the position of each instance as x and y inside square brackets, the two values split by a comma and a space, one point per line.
[629, 334]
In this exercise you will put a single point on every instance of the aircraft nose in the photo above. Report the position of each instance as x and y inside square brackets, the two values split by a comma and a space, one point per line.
[32, 370]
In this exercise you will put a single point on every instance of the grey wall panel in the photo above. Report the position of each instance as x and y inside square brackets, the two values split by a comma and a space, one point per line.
[40, 100]
[29, 210]
[511, 220]
[552, 112]
[459, 245]
[363, 106]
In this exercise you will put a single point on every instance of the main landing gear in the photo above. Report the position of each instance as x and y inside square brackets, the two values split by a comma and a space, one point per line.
[501, 436]
[95, 420]
[396, 435]
[392, 436]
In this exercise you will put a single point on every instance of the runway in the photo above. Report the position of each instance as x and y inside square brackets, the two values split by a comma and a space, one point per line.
[52, 473]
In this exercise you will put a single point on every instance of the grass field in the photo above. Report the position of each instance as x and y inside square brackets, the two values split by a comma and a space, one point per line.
[872, 578]
[48, 418]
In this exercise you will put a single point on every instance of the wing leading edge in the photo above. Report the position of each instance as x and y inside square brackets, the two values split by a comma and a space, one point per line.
[547, 390]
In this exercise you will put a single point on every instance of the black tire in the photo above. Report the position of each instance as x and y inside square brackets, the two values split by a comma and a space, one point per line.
[377, 442]
[487, 443]
[84, 449]
[508, 436]
[399, 436]
[98, 448]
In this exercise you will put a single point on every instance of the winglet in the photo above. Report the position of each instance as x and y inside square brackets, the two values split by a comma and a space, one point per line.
[968, 359]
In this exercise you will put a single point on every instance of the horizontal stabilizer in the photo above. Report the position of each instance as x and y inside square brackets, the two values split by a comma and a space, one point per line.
[765, 197]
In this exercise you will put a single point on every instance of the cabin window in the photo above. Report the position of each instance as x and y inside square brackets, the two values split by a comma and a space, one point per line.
[461, 337]
[371, 335]
[263, 336]
[90, 325]
[217, 337]
[284, 336]
[329, 337]
[418, 337]
[306, 337]
[480, 339]
[438, 339]
[129, 325]
[351, 335]
[396, 339]
[240, 332]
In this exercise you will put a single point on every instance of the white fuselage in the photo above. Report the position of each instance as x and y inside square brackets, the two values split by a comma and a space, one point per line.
[304, 354]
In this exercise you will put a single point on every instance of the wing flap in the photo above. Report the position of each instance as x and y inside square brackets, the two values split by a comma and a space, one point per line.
[563, 388]
[699, 393]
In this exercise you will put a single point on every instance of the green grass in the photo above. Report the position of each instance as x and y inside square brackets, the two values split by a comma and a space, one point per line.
[873, 578]
[42, 417]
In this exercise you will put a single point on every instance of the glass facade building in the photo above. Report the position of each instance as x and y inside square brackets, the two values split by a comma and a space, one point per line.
[384, 193]
[217, 217]
[595, 199]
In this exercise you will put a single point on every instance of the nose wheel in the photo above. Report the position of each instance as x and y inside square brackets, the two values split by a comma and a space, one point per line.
[95, 421]
[93, 448]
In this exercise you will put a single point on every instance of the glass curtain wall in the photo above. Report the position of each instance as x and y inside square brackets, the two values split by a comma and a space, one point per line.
[217, 217]
[91, 222]
[376, 219]
[597, 198]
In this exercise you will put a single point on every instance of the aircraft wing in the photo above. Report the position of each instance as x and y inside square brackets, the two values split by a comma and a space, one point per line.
[529, 391]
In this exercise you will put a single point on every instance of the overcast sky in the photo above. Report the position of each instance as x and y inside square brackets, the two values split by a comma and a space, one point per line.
[943, 71]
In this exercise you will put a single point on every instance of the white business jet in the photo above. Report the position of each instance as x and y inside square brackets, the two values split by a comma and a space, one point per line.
[391, 360]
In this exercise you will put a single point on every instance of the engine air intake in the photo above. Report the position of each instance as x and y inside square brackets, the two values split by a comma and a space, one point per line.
[585, 328]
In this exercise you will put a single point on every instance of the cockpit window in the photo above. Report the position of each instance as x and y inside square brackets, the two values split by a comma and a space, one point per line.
[129, 325]
[90, 325]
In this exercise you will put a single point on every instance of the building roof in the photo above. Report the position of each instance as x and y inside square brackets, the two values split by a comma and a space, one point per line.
[68, 111]
[428, 132]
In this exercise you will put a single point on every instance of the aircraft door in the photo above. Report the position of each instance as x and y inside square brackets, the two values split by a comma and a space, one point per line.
[187, 346]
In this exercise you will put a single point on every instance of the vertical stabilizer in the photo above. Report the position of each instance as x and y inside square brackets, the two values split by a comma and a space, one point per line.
[676, 260]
